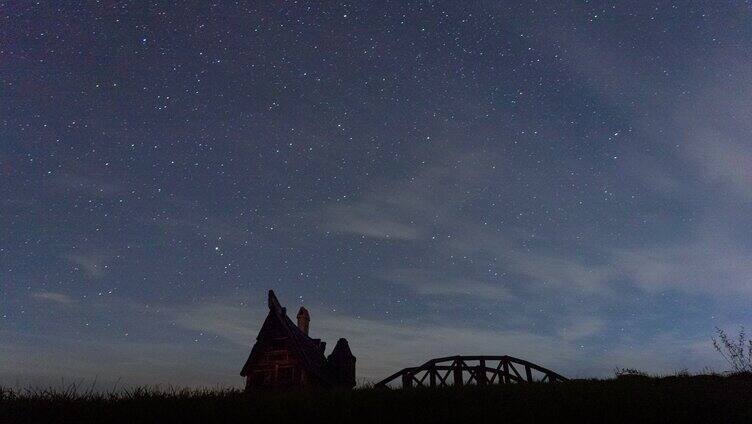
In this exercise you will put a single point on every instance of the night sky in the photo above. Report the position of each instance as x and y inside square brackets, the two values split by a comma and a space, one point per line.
[565, 182]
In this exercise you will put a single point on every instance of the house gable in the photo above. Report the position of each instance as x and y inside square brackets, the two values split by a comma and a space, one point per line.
[284, 356]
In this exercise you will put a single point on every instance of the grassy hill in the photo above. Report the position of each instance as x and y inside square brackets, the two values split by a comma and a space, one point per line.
[706, 399]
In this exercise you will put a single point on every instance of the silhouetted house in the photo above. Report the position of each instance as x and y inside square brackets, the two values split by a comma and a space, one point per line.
[285, 356]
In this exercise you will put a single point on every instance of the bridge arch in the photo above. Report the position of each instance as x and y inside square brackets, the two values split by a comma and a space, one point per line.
[471, 370]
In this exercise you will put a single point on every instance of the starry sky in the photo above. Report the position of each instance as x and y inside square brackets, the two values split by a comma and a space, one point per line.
[566, 182]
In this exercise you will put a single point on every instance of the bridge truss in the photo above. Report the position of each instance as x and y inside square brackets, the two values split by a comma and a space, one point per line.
[470, 370]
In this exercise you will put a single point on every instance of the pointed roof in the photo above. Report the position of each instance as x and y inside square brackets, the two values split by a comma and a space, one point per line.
[309, 350]
[341, 351]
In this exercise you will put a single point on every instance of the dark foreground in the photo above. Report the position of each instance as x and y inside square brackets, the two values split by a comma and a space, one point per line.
[635, 399]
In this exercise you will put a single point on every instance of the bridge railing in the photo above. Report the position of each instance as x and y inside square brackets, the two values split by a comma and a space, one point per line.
[471, 370]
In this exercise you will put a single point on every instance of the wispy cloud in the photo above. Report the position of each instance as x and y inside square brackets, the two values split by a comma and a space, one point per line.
[235, 324]
[59, 298]
[370, 218]
[92, 264]
[702, 266]
[410, 209]
[539, 267]
[582, 327]
[716, 124]
[427, 281]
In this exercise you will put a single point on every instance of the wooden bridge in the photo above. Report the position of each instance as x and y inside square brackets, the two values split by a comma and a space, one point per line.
[471, 370]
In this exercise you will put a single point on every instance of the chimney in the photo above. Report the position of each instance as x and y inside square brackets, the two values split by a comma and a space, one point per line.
[304, 318]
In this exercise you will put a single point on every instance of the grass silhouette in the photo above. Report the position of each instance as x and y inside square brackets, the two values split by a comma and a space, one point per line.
[680, 398]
